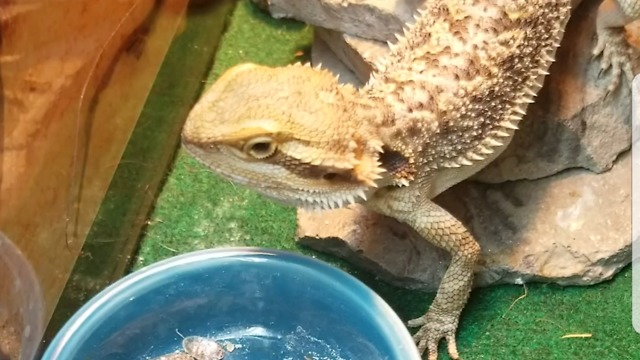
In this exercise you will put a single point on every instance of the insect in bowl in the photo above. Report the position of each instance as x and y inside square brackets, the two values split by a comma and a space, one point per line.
[257, 303]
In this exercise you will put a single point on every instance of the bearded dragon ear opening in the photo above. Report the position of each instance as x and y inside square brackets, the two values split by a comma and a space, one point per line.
[400, 167]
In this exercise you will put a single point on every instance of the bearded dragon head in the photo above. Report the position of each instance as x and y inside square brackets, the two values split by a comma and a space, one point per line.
[293, 134]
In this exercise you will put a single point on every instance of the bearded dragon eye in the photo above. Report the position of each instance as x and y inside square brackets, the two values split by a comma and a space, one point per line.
[261, 147]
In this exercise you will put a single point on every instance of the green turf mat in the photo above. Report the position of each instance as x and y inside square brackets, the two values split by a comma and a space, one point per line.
[197, 210]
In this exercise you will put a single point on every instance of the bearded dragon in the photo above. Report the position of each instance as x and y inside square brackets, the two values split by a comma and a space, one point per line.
[441, 105]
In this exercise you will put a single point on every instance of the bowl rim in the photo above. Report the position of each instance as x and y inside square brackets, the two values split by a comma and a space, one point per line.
[137, 278]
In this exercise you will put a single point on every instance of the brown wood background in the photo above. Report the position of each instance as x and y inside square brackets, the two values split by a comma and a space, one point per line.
[74, 78]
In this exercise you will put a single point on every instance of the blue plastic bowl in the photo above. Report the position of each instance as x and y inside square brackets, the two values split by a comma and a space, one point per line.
[269, 304]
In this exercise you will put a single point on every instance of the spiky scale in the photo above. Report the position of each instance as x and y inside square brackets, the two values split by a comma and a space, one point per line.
[493, 142]
[485, 150]
[473, 156]
[548, 58]
[464, 161]
[520, 110]
[509, 125]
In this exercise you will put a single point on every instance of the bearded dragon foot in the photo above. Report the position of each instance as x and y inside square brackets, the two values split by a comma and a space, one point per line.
[615, 54]
[436, 326]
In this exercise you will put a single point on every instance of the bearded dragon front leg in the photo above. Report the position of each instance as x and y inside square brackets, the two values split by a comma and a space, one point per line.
[443, 230]
[611, 43]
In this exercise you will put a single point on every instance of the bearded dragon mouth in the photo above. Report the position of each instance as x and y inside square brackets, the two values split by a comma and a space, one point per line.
[323, 201]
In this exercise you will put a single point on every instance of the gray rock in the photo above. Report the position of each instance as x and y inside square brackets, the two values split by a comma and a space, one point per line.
[571, 229]
[322, 55]
[371, 19]
[358, 54]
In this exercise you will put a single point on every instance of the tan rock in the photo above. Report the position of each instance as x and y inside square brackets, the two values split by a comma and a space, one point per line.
[571, 229]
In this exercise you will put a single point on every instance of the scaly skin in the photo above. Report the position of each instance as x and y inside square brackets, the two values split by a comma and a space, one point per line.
[613, 15]
[442, 105]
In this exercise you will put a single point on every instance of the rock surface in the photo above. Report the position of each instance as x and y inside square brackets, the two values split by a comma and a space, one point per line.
[371, 19]
[322, 55]
[571, 229]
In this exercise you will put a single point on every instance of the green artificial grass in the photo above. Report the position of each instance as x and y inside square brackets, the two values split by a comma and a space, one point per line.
[197, 210]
